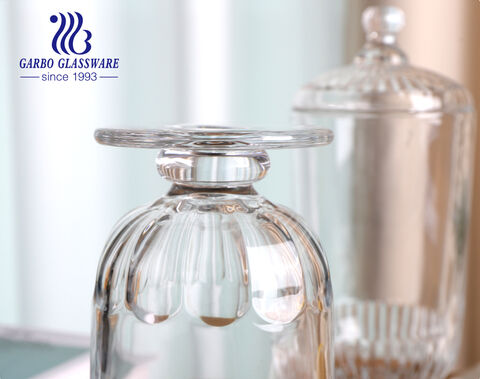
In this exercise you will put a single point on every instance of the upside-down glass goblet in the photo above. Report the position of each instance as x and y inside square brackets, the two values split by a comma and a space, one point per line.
[212, 281]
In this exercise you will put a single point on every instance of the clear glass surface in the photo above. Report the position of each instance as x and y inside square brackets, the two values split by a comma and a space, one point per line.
[212, 138]
[212, 280]
[390, 199]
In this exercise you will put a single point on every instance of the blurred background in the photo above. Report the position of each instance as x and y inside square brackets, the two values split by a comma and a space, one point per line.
[231, 62]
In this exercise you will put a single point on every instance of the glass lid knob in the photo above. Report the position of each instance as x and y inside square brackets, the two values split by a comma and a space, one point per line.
[382, 24]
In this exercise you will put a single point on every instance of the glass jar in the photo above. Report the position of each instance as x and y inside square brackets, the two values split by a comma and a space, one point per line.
[212, 280]
[390, 199]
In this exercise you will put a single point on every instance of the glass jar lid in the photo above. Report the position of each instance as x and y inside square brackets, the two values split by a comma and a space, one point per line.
[380, 79]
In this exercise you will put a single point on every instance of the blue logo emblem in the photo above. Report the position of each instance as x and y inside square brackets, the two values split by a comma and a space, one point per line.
[67, 32]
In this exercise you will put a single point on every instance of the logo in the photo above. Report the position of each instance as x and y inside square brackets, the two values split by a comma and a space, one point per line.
[68, 30]
[72, 64]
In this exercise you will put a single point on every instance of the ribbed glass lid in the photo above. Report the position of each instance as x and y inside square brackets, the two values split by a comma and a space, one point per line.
[381, 79]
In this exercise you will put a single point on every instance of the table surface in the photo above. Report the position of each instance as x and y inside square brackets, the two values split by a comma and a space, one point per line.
[35, 354]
